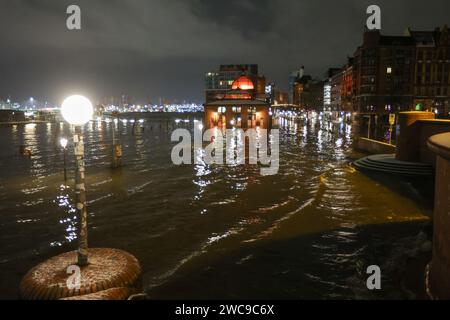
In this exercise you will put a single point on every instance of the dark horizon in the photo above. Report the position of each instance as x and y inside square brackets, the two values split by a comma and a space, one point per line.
[162, 50]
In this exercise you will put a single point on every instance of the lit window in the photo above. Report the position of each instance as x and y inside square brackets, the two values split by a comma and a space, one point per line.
[389, 70]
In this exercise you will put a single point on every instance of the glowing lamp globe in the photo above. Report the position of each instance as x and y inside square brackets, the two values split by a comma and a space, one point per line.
[77, 110]
[63, 142]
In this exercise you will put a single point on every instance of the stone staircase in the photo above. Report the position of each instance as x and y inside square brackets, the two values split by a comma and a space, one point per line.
[387, 163]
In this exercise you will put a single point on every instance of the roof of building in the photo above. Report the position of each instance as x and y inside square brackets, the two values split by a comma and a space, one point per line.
[396, 41]
[423, 38]
[242, 83]
[429, 38]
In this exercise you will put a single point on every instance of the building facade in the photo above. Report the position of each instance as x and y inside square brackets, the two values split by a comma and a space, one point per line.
[432, 70]
[293, 78]
[280, 97]
[275, 95]
[402, 73]
[307, 93]
[243, 104]
[383, 71]
[347, 87]
[336, 83]
[327, 88]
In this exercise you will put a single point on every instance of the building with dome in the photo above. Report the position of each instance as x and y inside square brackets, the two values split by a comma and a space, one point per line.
[238, 103]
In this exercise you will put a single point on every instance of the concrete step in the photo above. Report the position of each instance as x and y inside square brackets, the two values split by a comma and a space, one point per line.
[395, 172]
[391, 160]
[394, 167]
[391, 171]
[388, 164]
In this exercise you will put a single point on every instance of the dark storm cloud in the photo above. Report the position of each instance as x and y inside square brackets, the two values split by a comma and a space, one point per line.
[160, 48]
[249, 17]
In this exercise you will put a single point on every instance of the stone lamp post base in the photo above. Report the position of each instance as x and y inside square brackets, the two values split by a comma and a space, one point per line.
[111, 275]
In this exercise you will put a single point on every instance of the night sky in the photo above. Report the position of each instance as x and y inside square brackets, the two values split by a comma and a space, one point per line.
[160, 48]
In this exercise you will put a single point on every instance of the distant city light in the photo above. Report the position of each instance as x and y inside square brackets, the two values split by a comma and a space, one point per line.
[179, 108]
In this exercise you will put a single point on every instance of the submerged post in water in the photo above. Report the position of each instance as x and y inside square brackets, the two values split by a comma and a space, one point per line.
[78, 110]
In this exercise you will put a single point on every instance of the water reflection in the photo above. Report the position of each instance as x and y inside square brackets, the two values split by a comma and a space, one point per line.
[69, 217]
[181, 219]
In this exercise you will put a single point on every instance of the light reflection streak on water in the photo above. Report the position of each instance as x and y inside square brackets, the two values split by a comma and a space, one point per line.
[69, 219]
[201, 173]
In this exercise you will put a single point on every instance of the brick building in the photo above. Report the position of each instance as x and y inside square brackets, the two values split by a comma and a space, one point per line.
[238, 103]
[431, 71]
[400, 73]
[383, 73]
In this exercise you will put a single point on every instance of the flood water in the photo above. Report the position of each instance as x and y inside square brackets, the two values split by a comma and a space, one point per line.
[208, 232]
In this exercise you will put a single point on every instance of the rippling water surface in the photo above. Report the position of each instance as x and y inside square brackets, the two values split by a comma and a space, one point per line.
[205, 231]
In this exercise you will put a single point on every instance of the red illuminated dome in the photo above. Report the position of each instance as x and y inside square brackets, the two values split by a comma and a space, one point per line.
[242, 83]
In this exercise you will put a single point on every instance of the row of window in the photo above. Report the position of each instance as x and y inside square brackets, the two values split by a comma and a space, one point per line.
[440, 54]
[433, 55]
[431, 91]
[427, 79]
[421, 67]
[236, 109]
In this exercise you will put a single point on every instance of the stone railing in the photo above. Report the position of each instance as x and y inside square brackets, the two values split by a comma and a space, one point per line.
[438, 280]
[415, 130]
[375, 147]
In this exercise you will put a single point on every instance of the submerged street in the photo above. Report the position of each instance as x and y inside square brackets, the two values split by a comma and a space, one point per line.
[204, 231]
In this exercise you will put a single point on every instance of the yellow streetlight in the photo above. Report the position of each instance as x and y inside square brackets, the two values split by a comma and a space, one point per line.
[64, 142]
[77, 110]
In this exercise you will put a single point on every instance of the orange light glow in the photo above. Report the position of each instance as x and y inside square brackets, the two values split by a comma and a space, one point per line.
[243, 83]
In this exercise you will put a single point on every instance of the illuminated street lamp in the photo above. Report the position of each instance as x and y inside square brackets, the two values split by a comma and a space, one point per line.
[77, 110]
[63, 142]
